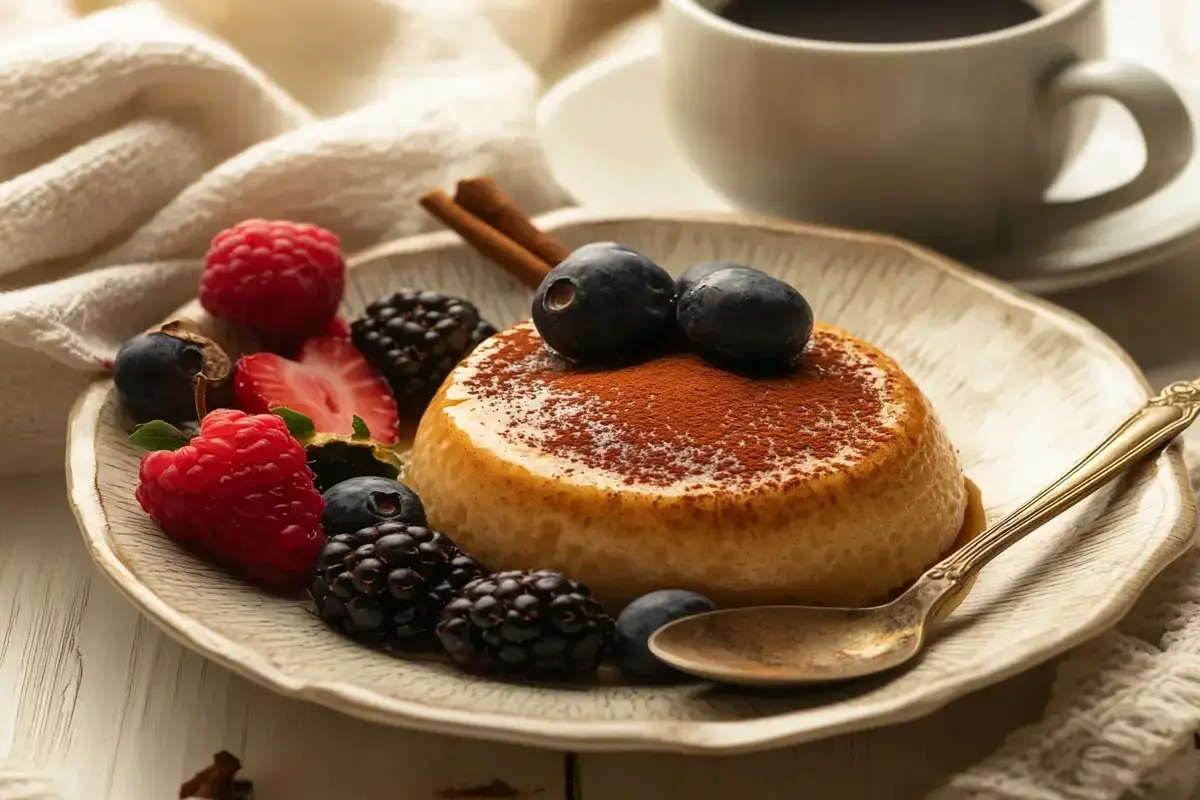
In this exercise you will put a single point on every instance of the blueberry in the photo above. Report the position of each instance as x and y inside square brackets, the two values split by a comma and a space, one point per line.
[359, 503]
[700, 271]
[743, 316]
[643, 617]
[155, 373]
[604, 302]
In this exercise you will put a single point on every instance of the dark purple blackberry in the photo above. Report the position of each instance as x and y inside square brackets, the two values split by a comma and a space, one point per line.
[389, 583]
[415, 338]
[483, 330]
[534, 624]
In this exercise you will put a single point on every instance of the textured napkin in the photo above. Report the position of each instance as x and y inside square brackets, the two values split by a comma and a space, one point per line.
[1124, 712]
[130, 139]
[131, 136]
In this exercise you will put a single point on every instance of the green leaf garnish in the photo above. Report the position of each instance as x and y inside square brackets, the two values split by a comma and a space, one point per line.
[298, 425]
[158, 435]
[361, 431]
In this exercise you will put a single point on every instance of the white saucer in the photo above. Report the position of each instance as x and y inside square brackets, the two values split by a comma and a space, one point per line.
[607, 141]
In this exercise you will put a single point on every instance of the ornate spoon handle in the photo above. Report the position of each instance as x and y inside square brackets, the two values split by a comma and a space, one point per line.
[1152, 426]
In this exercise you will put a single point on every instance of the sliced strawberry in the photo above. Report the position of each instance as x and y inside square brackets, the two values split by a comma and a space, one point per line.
[329, 382]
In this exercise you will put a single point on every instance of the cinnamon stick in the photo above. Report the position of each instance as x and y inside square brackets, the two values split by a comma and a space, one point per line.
[491, 243]
[483, 198]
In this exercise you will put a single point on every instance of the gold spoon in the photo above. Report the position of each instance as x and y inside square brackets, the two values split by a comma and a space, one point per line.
[789, 645]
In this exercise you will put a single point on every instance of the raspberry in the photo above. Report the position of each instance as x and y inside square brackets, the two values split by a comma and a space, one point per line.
[239, 493]
[283, 279]
[338, 328]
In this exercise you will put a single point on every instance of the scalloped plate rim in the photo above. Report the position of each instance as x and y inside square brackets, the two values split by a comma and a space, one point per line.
[706, 737]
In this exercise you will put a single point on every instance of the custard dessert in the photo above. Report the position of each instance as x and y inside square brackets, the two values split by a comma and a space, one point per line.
[831, 484]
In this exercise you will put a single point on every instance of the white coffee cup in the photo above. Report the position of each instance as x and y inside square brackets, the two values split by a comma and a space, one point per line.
[951, 142]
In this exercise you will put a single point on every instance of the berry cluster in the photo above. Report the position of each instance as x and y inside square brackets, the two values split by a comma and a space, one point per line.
[606, 302]
[291, 480]
[243, 487]
[283, 281]
[389, 582]
[397, 583]
[387, 578]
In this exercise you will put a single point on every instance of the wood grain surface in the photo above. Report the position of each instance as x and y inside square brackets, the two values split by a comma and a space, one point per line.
[111, 709]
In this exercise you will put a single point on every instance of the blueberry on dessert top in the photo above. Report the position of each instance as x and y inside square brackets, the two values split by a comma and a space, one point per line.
[742, 316]
[361, 502]
[700, 271]
[604, 302]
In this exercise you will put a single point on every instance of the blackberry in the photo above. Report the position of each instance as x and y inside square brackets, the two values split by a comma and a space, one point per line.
[389, 583]
[415, 338]
[535, 624]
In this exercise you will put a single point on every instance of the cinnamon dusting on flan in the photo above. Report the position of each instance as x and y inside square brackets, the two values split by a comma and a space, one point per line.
[678, 421]
[833, 485]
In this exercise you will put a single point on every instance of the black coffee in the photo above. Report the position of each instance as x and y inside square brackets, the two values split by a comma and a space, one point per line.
[882, 21]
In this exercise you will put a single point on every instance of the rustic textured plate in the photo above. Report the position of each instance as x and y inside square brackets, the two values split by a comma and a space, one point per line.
[1023, 387]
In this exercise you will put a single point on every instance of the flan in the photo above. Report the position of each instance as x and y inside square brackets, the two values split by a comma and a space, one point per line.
[832, 484]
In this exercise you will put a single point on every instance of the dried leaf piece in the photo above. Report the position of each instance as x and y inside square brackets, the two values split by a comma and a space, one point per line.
[496, 790]
[217, 782]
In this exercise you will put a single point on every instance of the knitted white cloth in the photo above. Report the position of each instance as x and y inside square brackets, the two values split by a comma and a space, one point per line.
[1124, 710]
[129, 138]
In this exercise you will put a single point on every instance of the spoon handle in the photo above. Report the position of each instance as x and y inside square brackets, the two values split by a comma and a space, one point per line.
[1155, 424]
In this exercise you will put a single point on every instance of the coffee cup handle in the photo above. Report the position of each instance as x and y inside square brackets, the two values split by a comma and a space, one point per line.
[1160, 114]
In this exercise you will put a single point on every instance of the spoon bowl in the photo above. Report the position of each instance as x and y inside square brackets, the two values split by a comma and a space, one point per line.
[791, 645]
[773, 646]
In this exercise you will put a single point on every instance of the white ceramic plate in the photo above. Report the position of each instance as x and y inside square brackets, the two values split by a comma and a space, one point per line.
[1023, 387]
[607, 141]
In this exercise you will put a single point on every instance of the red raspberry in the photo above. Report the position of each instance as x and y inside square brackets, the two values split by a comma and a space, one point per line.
[338, 328]
[284, 279]
[240, 493]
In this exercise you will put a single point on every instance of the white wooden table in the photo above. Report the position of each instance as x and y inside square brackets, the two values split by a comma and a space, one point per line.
[112, 709]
